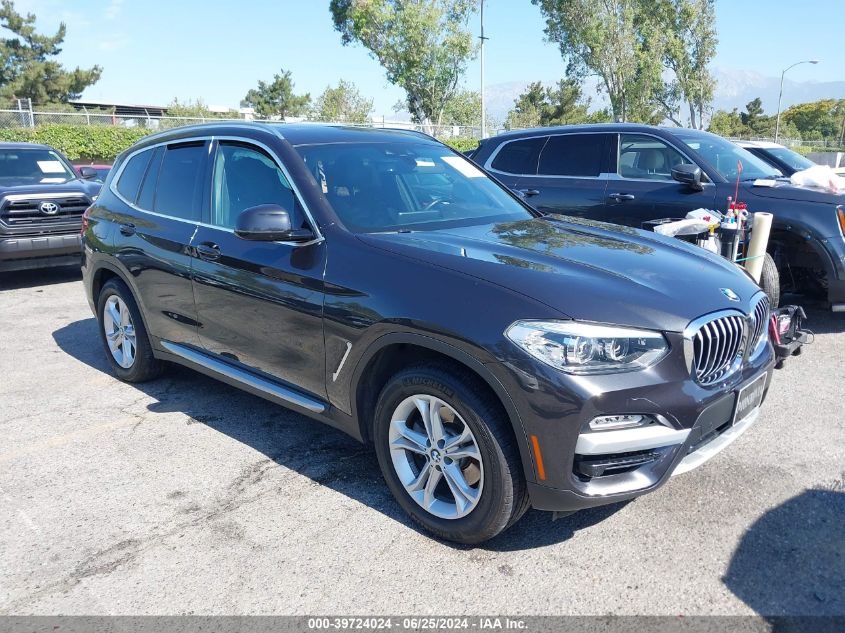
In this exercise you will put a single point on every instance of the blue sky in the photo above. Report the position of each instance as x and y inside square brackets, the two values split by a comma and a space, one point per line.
[153, 51]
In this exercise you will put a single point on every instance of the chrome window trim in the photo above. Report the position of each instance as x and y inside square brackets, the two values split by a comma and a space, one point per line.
[193, 139]
[488, 163]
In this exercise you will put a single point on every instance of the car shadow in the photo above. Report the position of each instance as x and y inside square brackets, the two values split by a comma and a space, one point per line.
[15, 280]
[791, 562]
[820, 318]
[323, 454]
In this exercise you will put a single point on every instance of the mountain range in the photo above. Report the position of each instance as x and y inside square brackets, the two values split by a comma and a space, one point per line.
[734, 89]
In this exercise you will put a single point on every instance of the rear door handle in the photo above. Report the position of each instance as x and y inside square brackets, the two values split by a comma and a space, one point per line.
[208, 250]
[529, 192]
[127, 229]
[619, 197]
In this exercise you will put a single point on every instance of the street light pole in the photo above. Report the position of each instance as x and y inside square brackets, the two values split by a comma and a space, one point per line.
[780, 96]
[483, 109]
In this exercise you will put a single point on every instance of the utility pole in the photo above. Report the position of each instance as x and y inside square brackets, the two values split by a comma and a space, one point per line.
[483, 109]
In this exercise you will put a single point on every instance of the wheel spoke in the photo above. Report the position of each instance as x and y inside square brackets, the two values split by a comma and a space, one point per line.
[124, 313]
[429, 411]
[461, 491]
[128, 353]
[420, 480]
[114, 314]
[408, 439]
[460, 452]
[433, 479]
[113, 340]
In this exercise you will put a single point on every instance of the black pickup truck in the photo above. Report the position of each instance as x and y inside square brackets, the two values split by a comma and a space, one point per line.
[42, 199]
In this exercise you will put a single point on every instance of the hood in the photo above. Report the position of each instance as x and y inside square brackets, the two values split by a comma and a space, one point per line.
[77, 185]
[586, 270]
[784, 190]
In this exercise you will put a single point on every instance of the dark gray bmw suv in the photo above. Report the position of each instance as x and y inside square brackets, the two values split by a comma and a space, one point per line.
[381, 283]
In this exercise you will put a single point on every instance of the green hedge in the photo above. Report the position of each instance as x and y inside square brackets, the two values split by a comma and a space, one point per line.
[88, 142]
[461, 144]
[105, 142]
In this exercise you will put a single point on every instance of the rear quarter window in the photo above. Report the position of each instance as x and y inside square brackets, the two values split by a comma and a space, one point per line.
[519, 157]
[132, 175]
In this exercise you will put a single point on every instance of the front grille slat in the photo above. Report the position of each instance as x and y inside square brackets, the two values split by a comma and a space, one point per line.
[719, 344]
[26, 212]
[716, 345]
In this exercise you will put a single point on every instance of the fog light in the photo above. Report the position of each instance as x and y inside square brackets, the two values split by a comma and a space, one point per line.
[614, 422]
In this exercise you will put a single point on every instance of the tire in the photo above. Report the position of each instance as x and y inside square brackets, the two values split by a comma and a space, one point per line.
[473, 424]
[770, 280]
[116, 304]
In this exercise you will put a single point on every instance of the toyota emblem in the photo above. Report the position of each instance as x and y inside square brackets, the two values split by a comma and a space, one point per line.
[49, 208]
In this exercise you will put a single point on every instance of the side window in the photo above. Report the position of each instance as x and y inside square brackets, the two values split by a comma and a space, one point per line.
[132, 174]
[577, 155]
[244, 177]
[178, 191]
[647, 157]
[519, 157]
[148, 187]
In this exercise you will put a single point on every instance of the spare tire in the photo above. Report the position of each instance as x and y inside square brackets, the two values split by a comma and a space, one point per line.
[770, 280]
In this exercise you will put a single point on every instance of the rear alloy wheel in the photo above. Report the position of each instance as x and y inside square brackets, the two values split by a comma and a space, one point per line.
[119, 331]
[124, 336]
[448, 453]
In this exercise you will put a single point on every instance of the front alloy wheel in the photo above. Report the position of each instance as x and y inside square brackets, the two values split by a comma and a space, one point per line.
[448, 452]
[120, 331]
[436, 457]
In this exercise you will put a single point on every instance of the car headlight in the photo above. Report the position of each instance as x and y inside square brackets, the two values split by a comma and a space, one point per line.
[584, 348]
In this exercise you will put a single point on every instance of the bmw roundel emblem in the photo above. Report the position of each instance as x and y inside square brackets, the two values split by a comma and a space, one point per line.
[730, 294]
[48, 208]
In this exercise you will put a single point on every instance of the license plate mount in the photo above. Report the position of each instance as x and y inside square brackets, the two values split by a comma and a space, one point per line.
[749, 397]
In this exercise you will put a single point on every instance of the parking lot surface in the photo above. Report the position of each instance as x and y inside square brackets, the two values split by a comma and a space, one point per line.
[185, 495]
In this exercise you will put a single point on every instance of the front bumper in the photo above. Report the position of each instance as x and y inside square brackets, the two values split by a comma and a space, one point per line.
[40, 251]
[695, 423]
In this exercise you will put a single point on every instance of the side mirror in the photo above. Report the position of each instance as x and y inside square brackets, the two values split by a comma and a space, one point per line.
[88, 173]
[269, 223]
[689, 175]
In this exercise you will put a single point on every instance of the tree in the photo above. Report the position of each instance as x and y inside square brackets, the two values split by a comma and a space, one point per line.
[197, 110]
[689, 32]
[27, 69]
[343, 103]
[561, 104]
[727, 124]
[819, 120]
[616, 40]
[528, 107]
[423, 45]
[277, 99]
[465, 109]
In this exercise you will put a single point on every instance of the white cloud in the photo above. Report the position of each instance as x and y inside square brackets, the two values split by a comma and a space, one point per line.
[112, 43]
[113, 9]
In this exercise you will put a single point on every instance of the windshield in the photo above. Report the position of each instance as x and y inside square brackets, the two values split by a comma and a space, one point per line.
[724, 157]
[376, 187]
[787, 156]
[32, 166]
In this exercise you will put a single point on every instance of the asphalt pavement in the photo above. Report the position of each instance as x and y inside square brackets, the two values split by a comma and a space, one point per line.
[187, 496]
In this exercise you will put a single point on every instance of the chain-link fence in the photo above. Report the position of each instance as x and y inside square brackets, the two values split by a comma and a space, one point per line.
[791, 142]
[34, 118]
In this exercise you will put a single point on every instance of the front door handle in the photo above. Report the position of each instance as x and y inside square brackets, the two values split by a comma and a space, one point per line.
[127, 229]
[208, 250]
[619, 197]
[529, 192]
